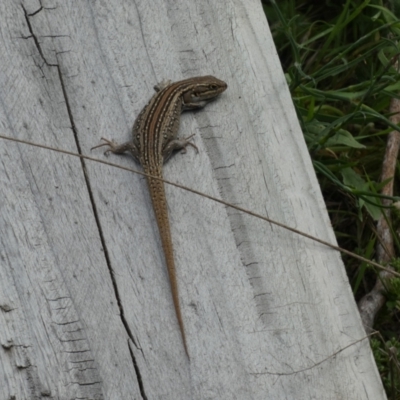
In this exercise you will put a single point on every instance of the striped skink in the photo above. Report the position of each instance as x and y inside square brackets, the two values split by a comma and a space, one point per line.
[155, 137]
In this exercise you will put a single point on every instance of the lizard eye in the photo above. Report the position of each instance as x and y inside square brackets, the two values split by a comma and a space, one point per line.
[213, 87]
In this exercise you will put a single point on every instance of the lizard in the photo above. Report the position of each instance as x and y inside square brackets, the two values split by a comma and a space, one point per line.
[154, 139]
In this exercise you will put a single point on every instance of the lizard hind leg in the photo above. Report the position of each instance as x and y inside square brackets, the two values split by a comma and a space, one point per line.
[118, 148]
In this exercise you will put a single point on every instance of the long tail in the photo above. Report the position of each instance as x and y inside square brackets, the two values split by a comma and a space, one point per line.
[158, 198]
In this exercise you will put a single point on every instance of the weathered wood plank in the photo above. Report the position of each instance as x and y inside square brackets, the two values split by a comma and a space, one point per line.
[261, 306]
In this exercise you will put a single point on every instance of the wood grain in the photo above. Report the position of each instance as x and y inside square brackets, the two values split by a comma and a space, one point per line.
[85, 308]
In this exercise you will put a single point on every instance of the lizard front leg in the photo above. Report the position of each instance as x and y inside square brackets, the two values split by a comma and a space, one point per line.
[178, 144]
[162, 85]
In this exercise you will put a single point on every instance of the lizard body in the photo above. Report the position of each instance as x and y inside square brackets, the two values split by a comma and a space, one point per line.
[155, 137]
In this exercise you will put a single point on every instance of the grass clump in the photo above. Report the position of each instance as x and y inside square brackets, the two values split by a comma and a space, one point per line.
[341, 63]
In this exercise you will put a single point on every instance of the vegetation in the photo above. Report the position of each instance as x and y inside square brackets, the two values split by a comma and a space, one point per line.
[342, 66]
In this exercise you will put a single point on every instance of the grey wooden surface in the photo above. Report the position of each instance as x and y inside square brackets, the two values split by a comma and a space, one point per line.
[85, 305]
